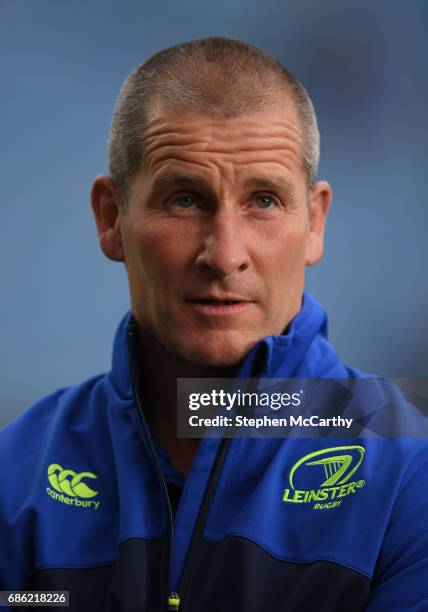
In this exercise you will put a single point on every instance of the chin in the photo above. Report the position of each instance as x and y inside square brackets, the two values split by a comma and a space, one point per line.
[216, 352]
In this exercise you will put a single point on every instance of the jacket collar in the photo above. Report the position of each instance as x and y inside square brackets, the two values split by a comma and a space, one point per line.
[292, 353]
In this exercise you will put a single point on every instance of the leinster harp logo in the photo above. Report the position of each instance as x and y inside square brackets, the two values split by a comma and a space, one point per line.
[325, 477]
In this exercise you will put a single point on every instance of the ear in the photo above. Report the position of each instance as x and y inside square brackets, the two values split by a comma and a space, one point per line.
[320, 200]
[106, 206]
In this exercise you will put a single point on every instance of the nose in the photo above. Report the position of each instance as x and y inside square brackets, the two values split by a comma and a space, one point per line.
[224, 250]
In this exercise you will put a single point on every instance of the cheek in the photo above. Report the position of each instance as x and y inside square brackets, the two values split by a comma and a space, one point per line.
[157, 251]
[284, 249]
[283, 270]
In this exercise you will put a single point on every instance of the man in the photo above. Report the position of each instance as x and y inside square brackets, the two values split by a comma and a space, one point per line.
[213, 206]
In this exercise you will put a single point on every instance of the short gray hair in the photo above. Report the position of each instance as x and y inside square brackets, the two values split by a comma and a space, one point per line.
[219, 77]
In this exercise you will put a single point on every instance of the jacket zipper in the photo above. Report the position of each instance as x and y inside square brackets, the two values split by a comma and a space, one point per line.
[202, 518]
[174, 600]
[206, 506]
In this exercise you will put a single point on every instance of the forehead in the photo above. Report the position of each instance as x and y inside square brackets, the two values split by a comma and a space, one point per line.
[267, 141]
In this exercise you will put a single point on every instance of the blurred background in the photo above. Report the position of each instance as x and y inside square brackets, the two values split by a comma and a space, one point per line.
[365, 65]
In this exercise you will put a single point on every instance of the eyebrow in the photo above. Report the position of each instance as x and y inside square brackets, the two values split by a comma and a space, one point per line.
[169, 179]
[274, 183]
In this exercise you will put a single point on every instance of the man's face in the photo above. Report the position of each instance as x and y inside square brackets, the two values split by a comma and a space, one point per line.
[217, 232]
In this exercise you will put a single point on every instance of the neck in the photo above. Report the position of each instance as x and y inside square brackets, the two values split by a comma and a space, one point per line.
[160, 370]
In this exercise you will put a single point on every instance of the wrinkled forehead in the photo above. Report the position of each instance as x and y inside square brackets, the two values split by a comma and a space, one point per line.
[271, 137]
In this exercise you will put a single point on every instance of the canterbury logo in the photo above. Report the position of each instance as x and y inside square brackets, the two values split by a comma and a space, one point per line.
[70, 482]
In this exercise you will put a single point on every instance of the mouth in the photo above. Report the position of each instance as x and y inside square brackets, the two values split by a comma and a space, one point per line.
[217, 302]
[213, 306]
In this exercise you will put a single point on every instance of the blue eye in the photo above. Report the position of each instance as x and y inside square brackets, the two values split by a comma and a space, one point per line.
[185, 201]
[265, 202]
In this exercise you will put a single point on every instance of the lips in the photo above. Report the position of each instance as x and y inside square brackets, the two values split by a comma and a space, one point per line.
[224, 305]
[224, 299]
[214, 302]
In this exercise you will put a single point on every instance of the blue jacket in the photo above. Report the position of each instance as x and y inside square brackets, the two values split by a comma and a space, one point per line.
[84, 504]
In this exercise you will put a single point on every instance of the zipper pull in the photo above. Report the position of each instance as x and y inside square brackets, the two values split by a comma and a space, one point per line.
[173, 602]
